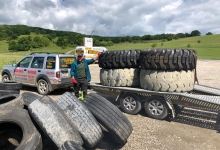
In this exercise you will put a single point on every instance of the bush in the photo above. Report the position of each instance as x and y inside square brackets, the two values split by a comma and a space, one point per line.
[154, 45]
[199, 41]
[188, 45]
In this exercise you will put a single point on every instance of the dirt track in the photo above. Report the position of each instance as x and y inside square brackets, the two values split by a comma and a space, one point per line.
[190, 130]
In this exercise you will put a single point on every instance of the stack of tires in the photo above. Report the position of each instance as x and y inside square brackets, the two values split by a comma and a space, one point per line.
[167, 70]
[31, 121]
[120, 68]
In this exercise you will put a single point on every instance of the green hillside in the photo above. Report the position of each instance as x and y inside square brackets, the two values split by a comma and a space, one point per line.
[208, 48]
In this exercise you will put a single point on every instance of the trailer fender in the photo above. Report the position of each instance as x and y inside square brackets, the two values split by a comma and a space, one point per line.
[170, 105]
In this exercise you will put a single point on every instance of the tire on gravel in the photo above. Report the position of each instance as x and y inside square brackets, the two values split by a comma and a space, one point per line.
[11, 101]
[8, 92]
[29, 97]
[120, 77]
[17, 130]
[10, 85]
[119, 59]
[168, 59]
[110, 117]
[53, 122]
[70, 145]
[167, 81]
[82, 118]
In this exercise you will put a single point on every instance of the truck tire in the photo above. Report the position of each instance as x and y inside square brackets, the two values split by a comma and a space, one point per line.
[10, 85]
[53, 122]
[81, 117]
[130, 103]
[168, 59]
[8, 92]
[17, 131]
[29, 97]
[167, 81]
[11, 101]
[120, 77]
[110, 117]
[119, 59]
[70, 145]
[156, 107]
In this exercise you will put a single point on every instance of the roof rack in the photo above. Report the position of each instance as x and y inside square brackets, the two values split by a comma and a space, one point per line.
[38, 53]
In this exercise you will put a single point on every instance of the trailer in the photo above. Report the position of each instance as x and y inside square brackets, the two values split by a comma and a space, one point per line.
[159, 105]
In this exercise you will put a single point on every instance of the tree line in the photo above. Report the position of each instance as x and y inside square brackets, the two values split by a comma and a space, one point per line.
[44, 37]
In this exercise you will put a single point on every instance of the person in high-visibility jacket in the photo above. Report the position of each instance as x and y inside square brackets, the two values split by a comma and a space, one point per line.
[80, 73]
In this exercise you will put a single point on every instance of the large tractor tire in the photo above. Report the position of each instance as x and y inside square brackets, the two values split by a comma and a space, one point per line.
[120, 77]
[168, 59]
[167, 81]
[119, 59]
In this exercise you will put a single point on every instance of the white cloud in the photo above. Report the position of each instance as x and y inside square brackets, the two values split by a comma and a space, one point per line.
[113, 17]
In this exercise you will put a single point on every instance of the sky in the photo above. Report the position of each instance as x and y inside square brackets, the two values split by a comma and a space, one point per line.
[115, 17]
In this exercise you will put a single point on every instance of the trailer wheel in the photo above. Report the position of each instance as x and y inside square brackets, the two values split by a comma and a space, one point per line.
[130, 103]
[156, 107]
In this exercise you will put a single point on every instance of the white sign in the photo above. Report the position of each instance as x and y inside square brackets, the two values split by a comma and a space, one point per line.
[88, 42]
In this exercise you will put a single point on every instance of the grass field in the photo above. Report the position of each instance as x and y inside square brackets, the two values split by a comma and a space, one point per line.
[208, 48]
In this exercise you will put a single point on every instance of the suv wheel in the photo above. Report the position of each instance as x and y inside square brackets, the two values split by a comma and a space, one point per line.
[5, 77]
[43, 87]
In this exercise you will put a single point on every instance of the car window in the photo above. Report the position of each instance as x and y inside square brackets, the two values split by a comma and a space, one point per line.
[65, 62]
[25, 62]
[37, 62]
[51, 63]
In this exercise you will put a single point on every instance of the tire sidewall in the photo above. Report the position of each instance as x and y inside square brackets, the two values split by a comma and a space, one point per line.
[162, 101]
[134, 97]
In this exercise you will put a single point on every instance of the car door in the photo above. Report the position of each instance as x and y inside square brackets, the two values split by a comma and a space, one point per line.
[35, 69]
[20, 71]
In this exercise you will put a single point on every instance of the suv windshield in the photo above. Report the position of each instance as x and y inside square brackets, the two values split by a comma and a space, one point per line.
[65, 62]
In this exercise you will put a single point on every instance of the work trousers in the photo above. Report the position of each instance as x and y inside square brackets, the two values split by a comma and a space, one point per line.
[80, 85]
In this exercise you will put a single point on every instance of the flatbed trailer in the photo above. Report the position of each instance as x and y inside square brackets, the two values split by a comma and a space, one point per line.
[159, 104]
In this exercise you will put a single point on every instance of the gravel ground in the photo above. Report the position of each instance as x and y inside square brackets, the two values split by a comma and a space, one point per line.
[191, 129]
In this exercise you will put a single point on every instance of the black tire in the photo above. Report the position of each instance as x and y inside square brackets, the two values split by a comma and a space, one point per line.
[81, 117]
[70, 145]
[11, 101]
[119, 59]
[8, 92]
[10, 85]
[156, 107]
[16, 127]
[43, 87]
[29, 97]
[168, 59]
[53, 122]
[6, 77]
[110, 117]
[130, 103]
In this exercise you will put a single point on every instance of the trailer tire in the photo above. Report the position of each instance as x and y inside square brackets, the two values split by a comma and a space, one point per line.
[70, 145]
[156, 107]
[53, 122]
[119, 59]
[8, 92]
[167, 81]
[82, 118]
[168, 59]
[110, 117]
[16, 125]
[29, 97]
[10, 85]
[130, 103]
[120, 77]
[11, 101]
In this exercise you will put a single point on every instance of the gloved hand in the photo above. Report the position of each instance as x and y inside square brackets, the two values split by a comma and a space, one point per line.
[74, 80]
[99, 54]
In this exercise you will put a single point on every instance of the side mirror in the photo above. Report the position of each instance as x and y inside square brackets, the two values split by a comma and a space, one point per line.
[13, 65]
